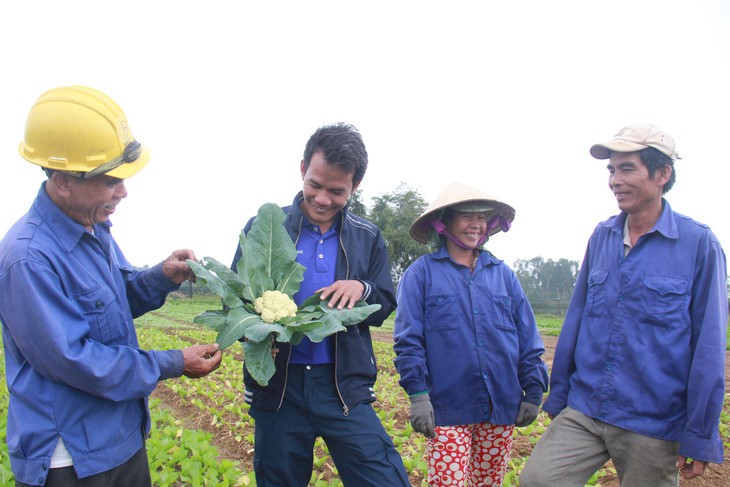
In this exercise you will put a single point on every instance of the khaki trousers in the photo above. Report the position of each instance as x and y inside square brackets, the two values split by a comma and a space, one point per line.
[574, 446]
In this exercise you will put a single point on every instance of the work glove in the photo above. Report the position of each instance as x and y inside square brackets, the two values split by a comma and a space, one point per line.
[527, 414]
[422, 418]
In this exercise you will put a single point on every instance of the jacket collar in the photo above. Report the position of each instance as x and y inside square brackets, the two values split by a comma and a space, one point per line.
[665, 224]
[485, 256]
[68, 231]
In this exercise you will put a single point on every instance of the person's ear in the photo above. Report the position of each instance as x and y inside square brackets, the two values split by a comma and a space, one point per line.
[664, 173]
[62, 182]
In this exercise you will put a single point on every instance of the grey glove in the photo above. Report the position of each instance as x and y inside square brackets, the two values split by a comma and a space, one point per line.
[422, 418]
[527, 414]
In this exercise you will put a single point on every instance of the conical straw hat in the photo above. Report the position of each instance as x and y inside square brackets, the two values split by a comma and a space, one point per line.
[456, 193]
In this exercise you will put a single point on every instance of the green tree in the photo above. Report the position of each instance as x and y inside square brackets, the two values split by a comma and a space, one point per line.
[528, 273]
[394, 213]
[559, 278]
[356, 205]
[548, 284]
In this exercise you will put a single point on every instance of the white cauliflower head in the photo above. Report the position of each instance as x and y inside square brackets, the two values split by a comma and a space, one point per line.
[274, 305]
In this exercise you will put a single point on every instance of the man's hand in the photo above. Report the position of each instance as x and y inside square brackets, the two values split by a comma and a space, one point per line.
[176, 269]
[691, 469]
[343, 293]
[527, 414]
[201, 360]
[422, 418]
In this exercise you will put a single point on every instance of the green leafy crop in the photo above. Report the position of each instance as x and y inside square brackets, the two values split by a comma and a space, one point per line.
[268, 263]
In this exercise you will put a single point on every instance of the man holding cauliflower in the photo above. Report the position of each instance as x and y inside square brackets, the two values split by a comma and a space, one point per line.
[326, 388]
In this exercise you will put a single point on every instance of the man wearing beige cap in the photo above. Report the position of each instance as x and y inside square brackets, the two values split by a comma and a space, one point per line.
[638, 373]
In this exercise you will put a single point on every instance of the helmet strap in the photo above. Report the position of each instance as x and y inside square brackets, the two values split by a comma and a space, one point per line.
[131, 153]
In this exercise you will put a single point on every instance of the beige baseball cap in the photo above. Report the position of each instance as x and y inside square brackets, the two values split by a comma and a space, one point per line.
[637, 137]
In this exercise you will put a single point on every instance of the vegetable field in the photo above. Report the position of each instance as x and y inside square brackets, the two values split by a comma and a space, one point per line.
[203, 436]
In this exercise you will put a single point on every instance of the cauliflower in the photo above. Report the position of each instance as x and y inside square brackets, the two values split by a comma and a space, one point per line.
[274, 305]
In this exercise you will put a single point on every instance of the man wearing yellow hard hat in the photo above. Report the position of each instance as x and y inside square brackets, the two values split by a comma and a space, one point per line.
[78, 382]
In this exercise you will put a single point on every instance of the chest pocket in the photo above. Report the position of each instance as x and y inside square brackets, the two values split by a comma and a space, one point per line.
[101, 310]
[665, 301]
[597, 293]
[503, 314]
[439, 312]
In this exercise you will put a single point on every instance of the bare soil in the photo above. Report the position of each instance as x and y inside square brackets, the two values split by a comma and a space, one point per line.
[191, 416]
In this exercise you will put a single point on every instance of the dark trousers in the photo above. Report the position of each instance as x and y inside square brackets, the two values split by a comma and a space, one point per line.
[135, 472]
[361, 449]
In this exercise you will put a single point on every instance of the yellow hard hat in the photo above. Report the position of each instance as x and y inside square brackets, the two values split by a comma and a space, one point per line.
[82, 131]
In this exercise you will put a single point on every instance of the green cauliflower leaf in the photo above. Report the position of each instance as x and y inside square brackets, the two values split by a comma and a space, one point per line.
[268, 263]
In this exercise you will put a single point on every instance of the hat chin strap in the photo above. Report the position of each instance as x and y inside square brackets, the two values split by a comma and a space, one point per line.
[503, 223]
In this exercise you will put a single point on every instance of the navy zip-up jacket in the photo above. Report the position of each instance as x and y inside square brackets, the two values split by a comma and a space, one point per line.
[362, 256]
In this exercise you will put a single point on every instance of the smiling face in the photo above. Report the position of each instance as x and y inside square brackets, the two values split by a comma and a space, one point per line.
[87, 201]
[635, 191]
[468, 227]
[327, 189]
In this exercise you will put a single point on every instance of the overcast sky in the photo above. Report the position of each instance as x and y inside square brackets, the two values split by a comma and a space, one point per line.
[504, 96]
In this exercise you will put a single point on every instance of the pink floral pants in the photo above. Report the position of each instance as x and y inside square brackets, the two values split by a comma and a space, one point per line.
[469, 455]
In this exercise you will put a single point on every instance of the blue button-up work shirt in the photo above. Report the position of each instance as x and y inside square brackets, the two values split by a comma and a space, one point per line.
[469, 339]
[73, 365]
[643, 343]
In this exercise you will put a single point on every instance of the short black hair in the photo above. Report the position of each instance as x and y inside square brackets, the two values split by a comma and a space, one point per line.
[654, 159]
[342, 146]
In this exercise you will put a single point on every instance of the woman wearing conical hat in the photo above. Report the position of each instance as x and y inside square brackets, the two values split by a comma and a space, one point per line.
[467, 345]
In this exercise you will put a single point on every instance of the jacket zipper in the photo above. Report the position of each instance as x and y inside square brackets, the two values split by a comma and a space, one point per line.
[345, 409]
[286, 380]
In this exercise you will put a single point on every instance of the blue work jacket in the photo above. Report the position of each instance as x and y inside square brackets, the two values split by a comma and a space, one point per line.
[643, 343]
[74, 368]
[469, 339]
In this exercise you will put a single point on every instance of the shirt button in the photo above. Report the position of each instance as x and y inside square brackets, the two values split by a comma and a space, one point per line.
[44, 466]
[475, 311]
[321, 241]
[99, 305]
[321, 256]
[621, 298]
[308, 367]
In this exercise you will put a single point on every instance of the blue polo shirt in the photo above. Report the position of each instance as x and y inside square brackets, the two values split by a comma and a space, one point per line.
[318, 254]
